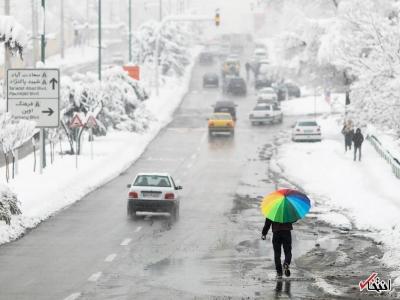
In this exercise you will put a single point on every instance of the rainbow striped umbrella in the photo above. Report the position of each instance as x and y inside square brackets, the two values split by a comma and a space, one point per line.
[285, 206]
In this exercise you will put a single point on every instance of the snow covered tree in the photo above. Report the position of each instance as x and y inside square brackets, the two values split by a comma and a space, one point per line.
[13, 134]
[13, 35]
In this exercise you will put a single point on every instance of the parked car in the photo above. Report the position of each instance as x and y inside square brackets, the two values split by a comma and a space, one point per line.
[306, 130]
[225, 107]
[210, 79]
[267, 94]
[206, 58]
[236, 86]
[221, 123]
[266, 113]
[153, 192]
[291, 89]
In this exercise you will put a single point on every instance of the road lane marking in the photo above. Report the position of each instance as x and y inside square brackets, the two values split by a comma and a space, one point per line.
[126, 242]
[203, 138]
[138, 229]
[110, 258]
[94, 277]
[73, 296]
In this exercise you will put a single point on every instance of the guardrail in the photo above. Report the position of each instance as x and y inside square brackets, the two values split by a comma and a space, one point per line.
[393, 161]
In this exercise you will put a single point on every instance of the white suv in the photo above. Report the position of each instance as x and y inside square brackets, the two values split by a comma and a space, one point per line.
[266, 113]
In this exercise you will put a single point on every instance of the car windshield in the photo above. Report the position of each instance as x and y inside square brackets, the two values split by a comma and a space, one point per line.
[307, 123]
[152, 180]
[221, 117]
[237, 81]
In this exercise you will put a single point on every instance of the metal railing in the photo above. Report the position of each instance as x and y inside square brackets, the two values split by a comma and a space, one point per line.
[384, 153]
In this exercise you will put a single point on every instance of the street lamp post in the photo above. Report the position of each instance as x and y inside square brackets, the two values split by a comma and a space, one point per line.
[43, 59]
[130, 30]
[99, 35]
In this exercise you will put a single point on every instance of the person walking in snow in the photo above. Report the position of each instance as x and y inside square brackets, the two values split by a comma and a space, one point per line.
[358, 139]
[281, 237]
[348, 133]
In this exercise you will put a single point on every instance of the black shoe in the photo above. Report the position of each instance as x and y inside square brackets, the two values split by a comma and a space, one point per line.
[279, 275]
[286, 269]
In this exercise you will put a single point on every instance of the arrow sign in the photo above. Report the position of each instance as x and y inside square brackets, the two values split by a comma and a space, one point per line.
[53, 83]
[49, 112]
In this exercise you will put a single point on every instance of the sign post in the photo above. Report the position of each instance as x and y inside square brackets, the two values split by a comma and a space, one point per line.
[91, 123]
[76, 123]
[34, 95]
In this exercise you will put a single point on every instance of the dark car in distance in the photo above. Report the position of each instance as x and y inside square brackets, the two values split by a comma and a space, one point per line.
[236, 86]
[210, 79]
[206, 58]
[225, 107]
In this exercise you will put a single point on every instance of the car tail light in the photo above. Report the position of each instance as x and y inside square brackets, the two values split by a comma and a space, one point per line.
[229, 124]
[211, 124]
[133, 195]
[169, 196]
[318, 129]
[297, 130]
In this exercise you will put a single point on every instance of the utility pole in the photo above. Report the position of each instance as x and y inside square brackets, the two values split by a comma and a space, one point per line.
[7, 62]
[99, 33]
[35, 48]
[43, 59]
[160, 10]
[62, 38]
[130, 30]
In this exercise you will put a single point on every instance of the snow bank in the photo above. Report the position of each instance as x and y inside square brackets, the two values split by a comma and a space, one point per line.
[367, 191]
[310, 105]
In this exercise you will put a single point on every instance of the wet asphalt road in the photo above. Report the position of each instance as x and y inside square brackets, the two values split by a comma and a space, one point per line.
[92, 250]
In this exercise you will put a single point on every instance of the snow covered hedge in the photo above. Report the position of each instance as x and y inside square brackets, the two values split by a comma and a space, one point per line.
[113, 102]
[9, 204]
[12, 34]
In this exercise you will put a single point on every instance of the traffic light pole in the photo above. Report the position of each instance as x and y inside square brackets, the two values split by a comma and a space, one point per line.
[158, 36]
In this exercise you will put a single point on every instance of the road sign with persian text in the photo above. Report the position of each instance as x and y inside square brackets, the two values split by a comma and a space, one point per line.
[34, 95]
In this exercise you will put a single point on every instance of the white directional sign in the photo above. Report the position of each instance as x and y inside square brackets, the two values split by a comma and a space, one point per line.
[34, 94]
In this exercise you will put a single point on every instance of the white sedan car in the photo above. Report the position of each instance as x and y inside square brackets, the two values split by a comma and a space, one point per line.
[153, 192]
[306, 130]
[266, 113]
[267, 94]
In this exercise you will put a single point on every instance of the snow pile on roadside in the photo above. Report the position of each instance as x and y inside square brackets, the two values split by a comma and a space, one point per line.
[62, 184]
[366, 191]
[310, 105]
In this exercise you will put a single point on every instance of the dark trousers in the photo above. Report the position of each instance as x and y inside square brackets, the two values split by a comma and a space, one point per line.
[347, 144]
[281, 239]
[355, 152]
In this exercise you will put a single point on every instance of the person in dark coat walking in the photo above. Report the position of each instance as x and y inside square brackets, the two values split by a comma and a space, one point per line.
[358, 139]
[281, 237]
[348, 133]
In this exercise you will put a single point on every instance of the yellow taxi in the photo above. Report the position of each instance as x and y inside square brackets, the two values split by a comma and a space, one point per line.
[221, 123]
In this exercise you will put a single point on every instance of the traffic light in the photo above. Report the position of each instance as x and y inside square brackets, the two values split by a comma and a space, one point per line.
[217, 18]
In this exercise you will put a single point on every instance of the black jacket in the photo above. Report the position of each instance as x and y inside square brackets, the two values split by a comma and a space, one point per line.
[358, 139]
[275, 226]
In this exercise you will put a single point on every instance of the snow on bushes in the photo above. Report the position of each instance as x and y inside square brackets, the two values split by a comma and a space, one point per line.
[113, 102]
[13, 35]
[9, 204]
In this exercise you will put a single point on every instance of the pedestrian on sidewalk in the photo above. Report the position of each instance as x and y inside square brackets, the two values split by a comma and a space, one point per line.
[358, 139]
[348, 132]
[281, 237]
